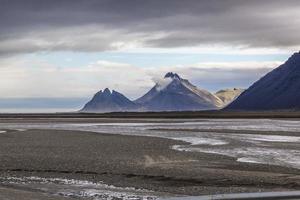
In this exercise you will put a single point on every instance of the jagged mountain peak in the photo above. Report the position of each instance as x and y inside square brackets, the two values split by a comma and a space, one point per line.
[172, 75]
[178, 94]
[109, 101]
[106, 91]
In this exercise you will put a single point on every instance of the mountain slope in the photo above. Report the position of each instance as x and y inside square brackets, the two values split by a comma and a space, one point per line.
[178, 95]
[229, 95]
[107, 101]
[278, 90]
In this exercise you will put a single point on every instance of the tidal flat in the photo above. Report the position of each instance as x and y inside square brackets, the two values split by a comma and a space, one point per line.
[147, 159]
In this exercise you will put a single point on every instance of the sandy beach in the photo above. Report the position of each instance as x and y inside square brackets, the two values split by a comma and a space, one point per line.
[133, 161]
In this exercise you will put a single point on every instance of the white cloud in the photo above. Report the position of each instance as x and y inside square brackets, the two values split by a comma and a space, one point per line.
[109, 64]
[23, 77]
[161, 82]
[238, 65]
[36, 78]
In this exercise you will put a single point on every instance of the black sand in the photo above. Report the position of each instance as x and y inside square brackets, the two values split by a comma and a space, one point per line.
[17, 194]
[135, 161]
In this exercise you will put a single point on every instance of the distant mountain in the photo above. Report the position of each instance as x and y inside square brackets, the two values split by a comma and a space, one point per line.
[177, 94]
[107, 101]
[278, 90]
[228, 95]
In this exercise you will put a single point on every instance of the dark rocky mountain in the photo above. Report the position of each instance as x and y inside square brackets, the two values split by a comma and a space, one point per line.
[107, 101]
[177, 94]
[278, 90]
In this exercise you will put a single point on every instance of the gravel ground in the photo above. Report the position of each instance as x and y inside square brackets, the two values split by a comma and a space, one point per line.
[132, 161]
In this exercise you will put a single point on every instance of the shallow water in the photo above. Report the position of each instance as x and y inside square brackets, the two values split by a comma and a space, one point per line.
[78, 189]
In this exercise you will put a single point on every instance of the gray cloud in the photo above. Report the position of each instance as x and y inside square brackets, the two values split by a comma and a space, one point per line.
[227, 78]
[98, 25]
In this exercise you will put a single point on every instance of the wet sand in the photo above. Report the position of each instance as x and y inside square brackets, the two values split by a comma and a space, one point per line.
[19, 194]
[135, 161]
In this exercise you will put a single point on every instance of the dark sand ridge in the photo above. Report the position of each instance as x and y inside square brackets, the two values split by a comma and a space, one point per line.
[135, 161]
[214, 114]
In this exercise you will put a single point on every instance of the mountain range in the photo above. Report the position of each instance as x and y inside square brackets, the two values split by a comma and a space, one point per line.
[173, 93]
[277, 90]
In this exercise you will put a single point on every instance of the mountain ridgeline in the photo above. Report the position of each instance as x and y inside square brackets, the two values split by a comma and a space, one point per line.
[172, 94]
[278, 90]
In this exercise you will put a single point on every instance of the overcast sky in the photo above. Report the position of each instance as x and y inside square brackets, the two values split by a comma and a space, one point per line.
[73, 48]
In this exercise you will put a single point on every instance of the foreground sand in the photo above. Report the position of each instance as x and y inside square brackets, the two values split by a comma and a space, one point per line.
[134, 161]
[19, 194]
